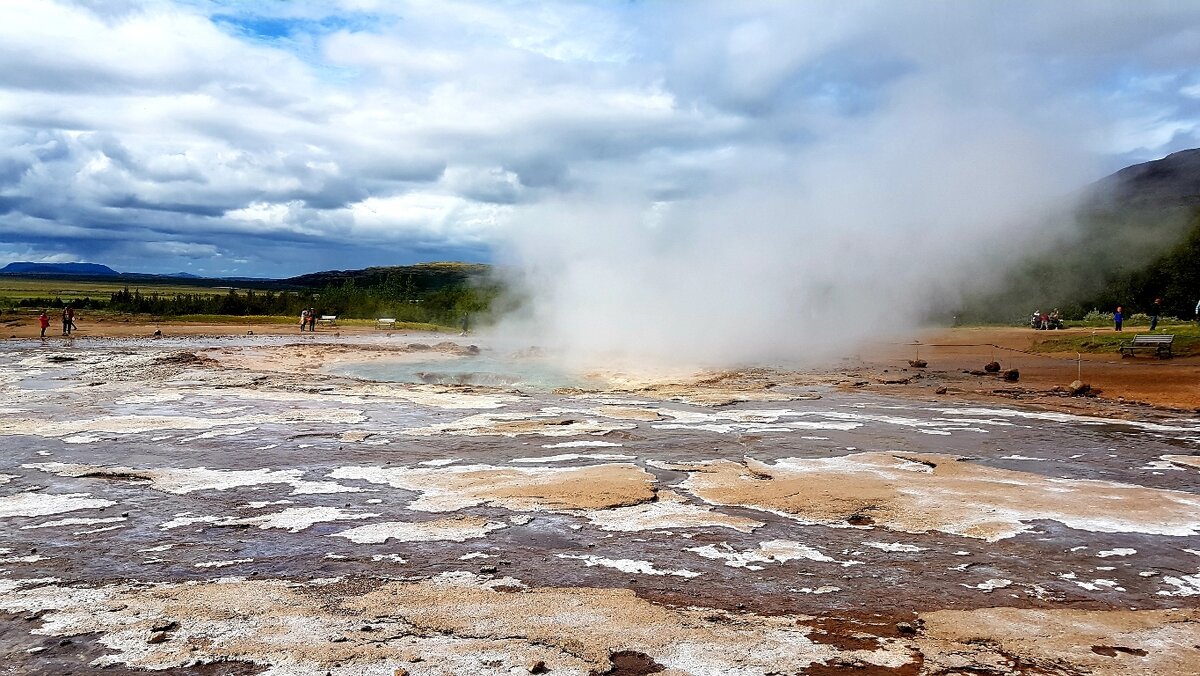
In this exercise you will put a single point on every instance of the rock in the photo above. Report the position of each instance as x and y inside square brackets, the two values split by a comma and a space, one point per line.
[1078, 388]
[1011, 375]
[940, 390]
[249, 333]
[918, 363]
[400, 671]
[905, 628]
[992, 367]
[978, 373]
[487, 570]
[164, 626]
[157, 637]
[410, 655]
[536, 667]
[859, 520]
[157, 333]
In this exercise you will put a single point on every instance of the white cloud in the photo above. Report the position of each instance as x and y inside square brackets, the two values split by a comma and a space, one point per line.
[445, 123]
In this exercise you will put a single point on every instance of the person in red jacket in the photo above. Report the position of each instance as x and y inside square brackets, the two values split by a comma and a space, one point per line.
[44, 322]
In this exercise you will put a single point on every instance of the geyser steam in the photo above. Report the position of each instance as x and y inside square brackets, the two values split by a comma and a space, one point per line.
[796, 250]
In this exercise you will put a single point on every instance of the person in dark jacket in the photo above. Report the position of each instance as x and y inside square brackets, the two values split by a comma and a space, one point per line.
[1155, 310]
[1118, 317]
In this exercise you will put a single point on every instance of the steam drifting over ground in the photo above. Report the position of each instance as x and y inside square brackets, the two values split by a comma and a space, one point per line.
[858, 225]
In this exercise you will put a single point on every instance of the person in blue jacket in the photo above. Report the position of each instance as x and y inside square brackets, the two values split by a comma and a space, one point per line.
[1118, 317]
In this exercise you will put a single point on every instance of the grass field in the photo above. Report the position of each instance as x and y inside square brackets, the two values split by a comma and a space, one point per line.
[1187, 340]
[20, 288]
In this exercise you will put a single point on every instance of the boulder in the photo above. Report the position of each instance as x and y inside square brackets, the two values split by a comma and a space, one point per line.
[1078, 388]
[992, 367]
[1011, 375]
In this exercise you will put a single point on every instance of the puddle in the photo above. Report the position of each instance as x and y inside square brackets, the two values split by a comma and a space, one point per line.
[527, 374]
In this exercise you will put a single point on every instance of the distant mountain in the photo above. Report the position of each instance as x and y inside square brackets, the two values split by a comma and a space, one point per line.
[1135, 236]
[90, 269]
[1173, 181]
[184, 275]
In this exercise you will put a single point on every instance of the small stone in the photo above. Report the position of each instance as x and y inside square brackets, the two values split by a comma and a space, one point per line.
[400, 671]
[65, 642]
[1078, 387]
[340, 639]
[157, 637]
[905, 628]
[487, 570]
[992, 367]
[164, 626]
[536, 667]
[940, 390]
[1011, 375]
[410, 655]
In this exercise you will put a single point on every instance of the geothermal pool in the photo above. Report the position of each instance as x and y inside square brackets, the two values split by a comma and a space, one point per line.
[258, 506]
[492, 370]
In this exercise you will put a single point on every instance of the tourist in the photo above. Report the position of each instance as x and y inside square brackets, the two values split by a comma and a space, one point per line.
[1155, 310]
[312, 319]
[303, 319]
[1118, 317]
[44, 322]
[66, 322]
[466, 324]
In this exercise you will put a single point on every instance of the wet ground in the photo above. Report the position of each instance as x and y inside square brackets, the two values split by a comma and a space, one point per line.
[244, 506]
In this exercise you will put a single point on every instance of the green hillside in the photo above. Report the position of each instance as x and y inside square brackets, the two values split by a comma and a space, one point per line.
[1135, 237]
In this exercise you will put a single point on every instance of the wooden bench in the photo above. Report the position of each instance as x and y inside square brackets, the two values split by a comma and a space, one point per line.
[331, 320]
[385, 323]
[1160, 345]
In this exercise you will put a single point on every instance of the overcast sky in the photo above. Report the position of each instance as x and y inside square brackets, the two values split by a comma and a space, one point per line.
[276, 138]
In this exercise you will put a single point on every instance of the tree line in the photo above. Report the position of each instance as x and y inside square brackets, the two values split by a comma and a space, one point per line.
[390, 296]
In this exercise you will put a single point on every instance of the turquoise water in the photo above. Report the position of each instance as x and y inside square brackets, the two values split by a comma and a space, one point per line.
[530, 374]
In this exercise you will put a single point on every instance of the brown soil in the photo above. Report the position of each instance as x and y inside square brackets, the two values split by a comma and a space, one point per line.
[1166, 383]
[95, 326]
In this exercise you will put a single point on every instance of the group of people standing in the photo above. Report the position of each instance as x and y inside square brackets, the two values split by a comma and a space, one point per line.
[308, 319]
[68, 321]
[1155, 312]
